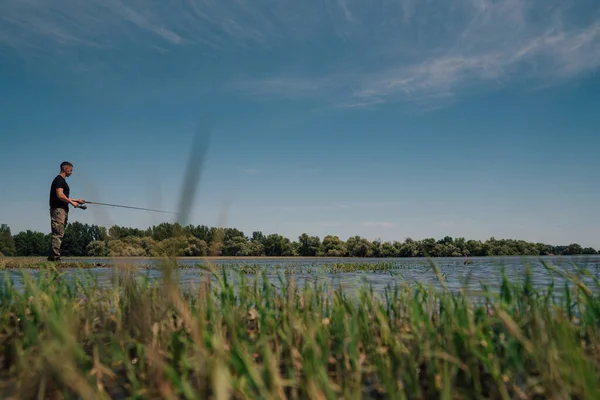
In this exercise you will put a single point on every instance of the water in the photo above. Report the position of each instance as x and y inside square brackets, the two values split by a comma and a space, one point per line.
[457, 275]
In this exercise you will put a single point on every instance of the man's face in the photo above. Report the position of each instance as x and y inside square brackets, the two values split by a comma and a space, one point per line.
[68, 171]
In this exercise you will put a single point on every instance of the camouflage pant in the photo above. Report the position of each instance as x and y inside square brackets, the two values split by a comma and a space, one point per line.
[58, 221]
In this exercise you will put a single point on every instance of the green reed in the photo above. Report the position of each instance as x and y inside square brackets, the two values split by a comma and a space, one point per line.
[256, 339]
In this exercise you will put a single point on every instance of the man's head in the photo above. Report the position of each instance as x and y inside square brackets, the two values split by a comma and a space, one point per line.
[66, 168]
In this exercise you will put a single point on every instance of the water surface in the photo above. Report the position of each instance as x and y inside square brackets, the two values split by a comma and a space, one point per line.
[456, 274]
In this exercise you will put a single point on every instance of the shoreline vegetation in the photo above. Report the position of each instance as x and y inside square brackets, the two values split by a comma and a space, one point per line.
[20, 263]
[254, 339]
[171, 239]
[237, 264]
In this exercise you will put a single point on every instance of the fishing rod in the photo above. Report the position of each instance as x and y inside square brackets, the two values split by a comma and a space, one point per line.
[83, 206]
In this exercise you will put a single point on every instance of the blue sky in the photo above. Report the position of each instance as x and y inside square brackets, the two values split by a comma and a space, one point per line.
[386, 119]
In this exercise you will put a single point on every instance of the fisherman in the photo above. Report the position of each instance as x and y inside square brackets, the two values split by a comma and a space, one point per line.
[59, 208]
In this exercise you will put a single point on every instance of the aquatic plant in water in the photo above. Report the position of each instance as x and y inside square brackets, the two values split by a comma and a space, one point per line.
[255, 339]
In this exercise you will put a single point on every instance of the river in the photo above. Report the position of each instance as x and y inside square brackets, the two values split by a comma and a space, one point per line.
[456, 274]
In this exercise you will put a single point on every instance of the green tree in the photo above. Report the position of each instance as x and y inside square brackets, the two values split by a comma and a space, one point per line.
[236, 246]
[308, 246]
[573, 249]
[446, 241]
[428, 248]
[475, 248]
[201, 232]
[543, 249]
[460, 244]
[83, 239]
[7, 243]
[78, 236]
[258, 236]
[98, 248]
[376, 248]
[31, 243]
[241, 247]
[166, 230]
[194, 247]
[333, 246]
[358, 247]
[126, 247]
[230, 233]
[119, 232]
[278, 246]
[389, 250]
[410, 248]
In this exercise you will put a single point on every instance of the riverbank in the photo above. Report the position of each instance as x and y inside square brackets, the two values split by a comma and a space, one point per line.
[262, 340]
[302, 258]
[191, 262]
[30, 261]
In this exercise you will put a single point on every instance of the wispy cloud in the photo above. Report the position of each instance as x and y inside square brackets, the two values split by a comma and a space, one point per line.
[223, 24]
[381, 50]
[481, 41]
[551, 56]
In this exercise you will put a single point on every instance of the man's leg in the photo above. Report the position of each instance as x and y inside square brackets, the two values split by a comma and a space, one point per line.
[58, 220]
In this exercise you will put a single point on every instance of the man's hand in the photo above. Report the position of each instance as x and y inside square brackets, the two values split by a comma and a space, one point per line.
[79, 201]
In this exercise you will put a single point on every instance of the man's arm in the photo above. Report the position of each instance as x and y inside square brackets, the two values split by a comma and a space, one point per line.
[74, 202]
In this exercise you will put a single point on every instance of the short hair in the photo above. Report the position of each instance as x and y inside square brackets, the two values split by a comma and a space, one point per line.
[65, 164]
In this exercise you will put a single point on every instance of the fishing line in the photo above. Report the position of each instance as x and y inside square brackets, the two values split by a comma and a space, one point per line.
[122, 206]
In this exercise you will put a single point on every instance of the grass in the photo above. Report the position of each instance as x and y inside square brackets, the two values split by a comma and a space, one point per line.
[18, 264]
[233, 265]
[262, 340]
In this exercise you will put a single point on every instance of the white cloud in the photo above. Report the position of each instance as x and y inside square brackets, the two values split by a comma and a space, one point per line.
[494, 42]
[564, 54]
[423, 52]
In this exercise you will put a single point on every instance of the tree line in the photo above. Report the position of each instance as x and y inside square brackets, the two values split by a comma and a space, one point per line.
[83, 240]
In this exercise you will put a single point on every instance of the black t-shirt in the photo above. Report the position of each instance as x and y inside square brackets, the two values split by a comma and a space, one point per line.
[55, 202]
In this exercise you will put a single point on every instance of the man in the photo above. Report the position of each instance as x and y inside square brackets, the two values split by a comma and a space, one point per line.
[59, 208]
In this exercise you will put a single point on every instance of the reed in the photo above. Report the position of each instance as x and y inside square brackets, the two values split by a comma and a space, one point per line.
[255, 339]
